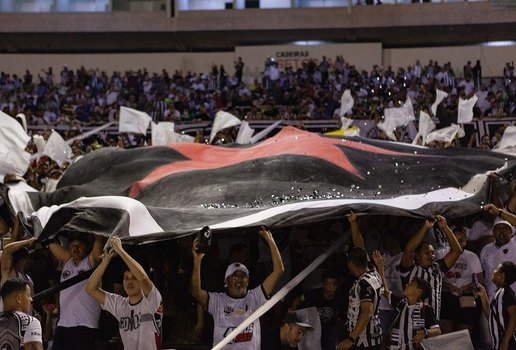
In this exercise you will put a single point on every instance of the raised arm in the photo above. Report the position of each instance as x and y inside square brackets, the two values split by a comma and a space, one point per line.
[484, 299]
[93, 284]
[199, 294]
[504, 214]
[59, 252]
[135, 268]
[277, 262]
[96, 251]
[380, 266]
[455, 249]
[407, 258]
[356, 235]
[7, 258]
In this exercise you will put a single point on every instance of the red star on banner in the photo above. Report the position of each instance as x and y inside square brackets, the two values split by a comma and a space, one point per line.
[289, 141]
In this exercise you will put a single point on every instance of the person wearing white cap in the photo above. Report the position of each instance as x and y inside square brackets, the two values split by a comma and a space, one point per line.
[231, 308]
[289, 334]
[502, 249]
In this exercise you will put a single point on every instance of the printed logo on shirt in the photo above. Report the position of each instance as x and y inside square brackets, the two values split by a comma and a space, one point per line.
[228, 310]
[66, 274]
[134, 321]
[245, 336]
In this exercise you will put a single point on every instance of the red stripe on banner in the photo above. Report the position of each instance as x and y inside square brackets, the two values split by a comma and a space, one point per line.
[288, 141]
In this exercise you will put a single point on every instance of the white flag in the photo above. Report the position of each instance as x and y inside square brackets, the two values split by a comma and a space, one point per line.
[446, 135]
[163, 133]
[185, 138]
[508, 140]
[13, 140]
[133, 121]
[57, 149]
[439, 96]
[393, 118]
[223, 120]
[465, 114]
[244, 134]
[410, 109]
[346, 103]
[265, 132]
[345, 123]
[21, 117]
[426, 125]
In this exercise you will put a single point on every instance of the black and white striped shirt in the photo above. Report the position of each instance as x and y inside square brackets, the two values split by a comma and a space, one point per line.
[499, 316]
[434, 276]
[410, 319]
[367, 288]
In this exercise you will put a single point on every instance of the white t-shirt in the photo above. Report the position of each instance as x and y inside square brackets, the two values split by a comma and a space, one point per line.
[228, 313]
[25, 329]
[491, 256]
[77, 307]
[462, 271]
[139, 324]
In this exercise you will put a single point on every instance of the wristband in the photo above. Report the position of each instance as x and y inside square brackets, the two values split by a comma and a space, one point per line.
[351, 339]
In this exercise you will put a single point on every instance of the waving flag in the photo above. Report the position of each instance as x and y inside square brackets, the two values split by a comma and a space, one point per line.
[465, 111]
[292, 178]
[439, 96]
[13, 140]
[222, 121]
[133, 121]
[57, 149]
[346, 103]
[426, 125]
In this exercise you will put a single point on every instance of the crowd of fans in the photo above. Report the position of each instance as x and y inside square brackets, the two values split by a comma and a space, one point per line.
[73, 100]
[93, 97]
[76, 99]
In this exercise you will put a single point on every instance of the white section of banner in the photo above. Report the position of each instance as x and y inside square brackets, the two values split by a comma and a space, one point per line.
[439, 96]
[465, 110]
[408, 202]
[57, 149]
[141, 223]
[133, 121]
[265, 132]
[346, 103]
[244, 133]
[282, 292]
[13, 140]
[222, 121]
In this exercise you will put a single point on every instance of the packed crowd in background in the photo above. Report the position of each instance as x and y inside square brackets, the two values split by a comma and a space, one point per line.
[72, 100]
[76, 99]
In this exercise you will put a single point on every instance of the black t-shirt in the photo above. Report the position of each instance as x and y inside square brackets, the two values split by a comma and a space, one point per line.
[328, 309]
